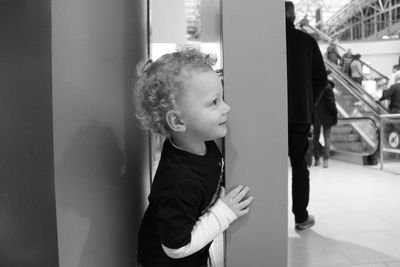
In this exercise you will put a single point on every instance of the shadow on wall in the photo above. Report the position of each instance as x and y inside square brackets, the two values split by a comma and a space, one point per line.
[94, 201]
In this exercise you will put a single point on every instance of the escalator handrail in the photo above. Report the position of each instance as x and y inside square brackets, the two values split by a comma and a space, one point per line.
[357, 90]
[360, 119]
[376, 105]
[391, 116]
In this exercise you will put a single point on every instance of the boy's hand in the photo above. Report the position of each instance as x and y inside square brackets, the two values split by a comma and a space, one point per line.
[236, 200]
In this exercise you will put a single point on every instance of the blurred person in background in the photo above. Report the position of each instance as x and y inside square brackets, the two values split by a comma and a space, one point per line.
[356, 69]
[332, 52]
[393, 95]
[345, 61]
[395, 76]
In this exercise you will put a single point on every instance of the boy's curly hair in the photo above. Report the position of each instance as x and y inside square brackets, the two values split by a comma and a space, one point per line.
[160, 83]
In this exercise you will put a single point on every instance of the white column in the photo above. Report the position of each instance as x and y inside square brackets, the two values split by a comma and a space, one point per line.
[256, 146]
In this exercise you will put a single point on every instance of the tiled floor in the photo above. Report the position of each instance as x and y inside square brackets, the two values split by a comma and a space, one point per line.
[357, 211]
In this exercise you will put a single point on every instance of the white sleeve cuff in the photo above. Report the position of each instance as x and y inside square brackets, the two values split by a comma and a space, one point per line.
[223, 213]
[207, 228]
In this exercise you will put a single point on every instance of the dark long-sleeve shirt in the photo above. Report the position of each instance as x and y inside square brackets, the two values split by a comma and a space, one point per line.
[185, 186]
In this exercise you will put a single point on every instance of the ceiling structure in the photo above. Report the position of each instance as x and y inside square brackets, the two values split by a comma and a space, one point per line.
[309, 7]
[352, 19]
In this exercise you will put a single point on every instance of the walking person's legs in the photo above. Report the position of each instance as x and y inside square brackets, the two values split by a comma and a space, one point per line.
[298, 145]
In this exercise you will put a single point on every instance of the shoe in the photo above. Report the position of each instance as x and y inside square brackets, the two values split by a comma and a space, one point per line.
[306, 224]
[325, 163]
[317, 162]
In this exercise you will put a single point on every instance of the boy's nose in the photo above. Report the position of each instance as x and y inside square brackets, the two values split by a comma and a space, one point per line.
[226, 108]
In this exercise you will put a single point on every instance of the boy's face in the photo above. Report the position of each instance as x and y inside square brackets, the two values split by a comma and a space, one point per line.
[203, 109]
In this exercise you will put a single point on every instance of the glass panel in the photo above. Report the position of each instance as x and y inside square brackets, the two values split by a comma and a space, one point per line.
[172, 24]
[391, 132]
[390, 142]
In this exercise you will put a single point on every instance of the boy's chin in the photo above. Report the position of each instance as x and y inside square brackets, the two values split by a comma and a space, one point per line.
[217, 136]
[222, 134]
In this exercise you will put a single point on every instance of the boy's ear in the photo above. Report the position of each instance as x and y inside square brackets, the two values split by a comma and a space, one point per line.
[174, 121]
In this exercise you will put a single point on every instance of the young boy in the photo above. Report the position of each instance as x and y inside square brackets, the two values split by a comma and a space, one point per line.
[180, 97]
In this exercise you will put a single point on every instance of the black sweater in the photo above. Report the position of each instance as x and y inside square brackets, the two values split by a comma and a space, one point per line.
[184, 187]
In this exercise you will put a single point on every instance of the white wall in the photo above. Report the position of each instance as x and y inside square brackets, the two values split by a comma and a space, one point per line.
[167, 21]
[100, 156]
[256, 145]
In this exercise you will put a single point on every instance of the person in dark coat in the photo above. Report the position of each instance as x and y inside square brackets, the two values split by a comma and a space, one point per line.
[325, 115]
[306, 78]
[356, 72]
[392, 94]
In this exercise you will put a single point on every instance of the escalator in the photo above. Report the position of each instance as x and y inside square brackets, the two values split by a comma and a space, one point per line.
[356, 136]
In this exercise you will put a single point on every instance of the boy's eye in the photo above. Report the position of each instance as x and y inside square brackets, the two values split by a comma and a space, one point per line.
[215, 102]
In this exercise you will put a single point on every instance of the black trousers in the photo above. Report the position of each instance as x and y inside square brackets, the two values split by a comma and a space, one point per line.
[298, 145]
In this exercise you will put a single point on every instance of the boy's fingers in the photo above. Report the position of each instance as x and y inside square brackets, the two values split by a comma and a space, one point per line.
[245, 203]
[244, 211]
[235, 191]
[241, 194]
